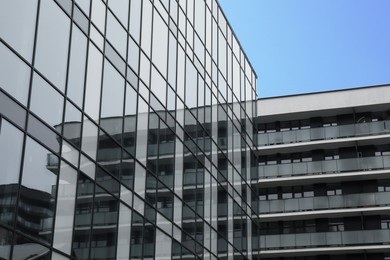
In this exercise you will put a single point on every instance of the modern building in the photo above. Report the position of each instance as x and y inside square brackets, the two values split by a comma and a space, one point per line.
[131, 130]
[324, 175]
[126, 132]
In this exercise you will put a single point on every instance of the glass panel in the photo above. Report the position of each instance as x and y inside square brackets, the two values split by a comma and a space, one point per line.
[20, 249]
[72, 124]
[104, 230]
[50, 110]
[124, 232]
[121, 10]
[37, 194]
[13, 111]
[52, 43]
[90, 138]
[84, 205]
[130, 120]
[11, 143]
[116, 35]
[5, 243]
[135, 19]
[163, 246]
[65, 208]
[160, 43]
[112, 101]
[77, 61]
[15, 74]
[18, 20]
[93, 85]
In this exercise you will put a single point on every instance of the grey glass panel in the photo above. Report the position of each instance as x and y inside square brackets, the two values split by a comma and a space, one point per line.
[93, 83]
[65, 208]
[44, 134]
[52, 43]
[80, 19]
[37, 195]
[72, 124]
[116, 34]
[17, 19]
[51, 109]
[124, 232]
[121, 10]
[83, 218]
[78, 53]
[147, 13]
[89, 138]
[135, 19]
[15, 74]
[13, 111]
[25, 248]
[160, 43]
[104, 230]
[112, 101]
[6, 242]
[11, 143]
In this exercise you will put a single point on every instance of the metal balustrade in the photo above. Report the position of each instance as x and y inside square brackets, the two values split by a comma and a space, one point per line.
[325, 239]
[324, 167]
[325, 202]
[323, 133]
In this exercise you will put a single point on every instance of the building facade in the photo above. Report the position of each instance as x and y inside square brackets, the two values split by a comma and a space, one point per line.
[126, 132]
[323, 176]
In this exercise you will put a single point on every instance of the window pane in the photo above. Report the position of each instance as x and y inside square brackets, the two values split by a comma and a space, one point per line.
[15, 74]
[52, 43]
[93, 85]
[17, 19]
[116, 35]
[11, 143]
[160, 43]
[51, 109]
[112, 100]
[65, 208]
[37, 197]
[77, 66]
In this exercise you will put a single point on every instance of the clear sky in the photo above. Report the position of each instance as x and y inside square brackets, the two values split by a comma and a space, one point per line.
[299, 46]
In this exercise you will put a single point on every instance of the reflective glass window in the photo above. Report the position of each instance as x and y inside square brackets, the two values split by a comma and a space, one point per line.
[121, 10]
[116, 34]
[51, 109]
[78, 53]
[11, 143]
[52, 43]
[17, 19]
[72, 124]
[112, 101]
[160, 43]
[93, 83]
[5, 243]
[34, 249]
[37, 194]
[65, 208]
[83, 217]
[104, 230]
[15, 74]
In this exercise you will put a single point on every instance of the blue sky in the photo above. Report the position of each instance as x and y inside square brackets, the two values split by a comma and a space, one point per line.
[299, 46]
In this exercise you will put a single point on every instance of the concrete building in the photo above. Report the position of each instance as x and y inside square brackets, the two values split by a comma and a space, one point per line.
[323, 184]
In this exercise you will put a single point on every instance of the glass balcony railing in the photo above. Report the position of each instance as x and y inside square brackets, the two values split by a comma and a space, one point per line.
[324, 167]
[325, 239]
[323, 133]
[325, 202]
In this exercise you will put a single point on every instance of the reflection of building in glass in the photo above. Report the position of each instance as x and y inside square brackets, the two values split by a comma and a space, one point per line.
[126, 132]
[323, 175]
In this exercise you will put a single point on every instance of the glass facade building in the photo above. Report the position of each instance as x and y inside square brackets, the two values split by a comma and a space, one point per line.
[126, 132]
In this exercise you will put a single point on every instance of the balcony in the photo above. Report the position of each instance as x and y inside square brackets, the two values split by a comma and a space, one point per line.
[325, 202]
[324, 167]
[323, 133]
[325, 239]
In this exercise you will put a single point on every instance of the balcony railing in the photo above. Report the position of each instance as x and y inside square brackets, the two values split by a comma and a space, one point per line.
[324, 167]
[325, 202]
[325, 239]
[323, 133]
